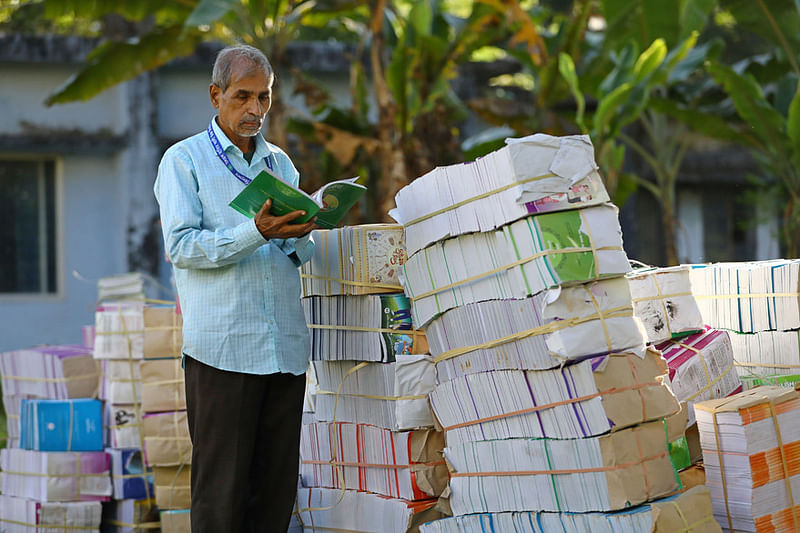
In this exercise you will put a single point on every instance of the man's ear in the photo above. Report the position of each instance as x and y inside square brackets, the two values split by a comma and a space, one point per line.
[214, 93]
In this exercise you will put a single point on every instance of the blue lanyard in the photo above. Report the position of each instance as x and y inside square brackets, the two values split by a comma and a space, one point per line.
[224, 157]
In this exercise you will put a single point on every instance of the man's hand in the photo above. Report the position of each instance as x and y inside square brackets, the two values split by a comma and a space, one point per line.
[279, 227]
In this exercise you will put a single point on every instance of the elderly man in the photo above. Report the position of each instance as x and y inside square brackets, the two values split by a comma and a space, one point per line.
[245, 341]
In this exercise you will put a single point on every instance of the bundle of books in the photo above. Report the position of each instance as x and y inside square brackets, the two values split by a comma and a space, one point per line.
[20, 515]
[750, 442]
[538, 332]
[663, 301]
[370, 460]
[701, 367]
[759, 302]
[534, 174]
[549, 400]
[54, 372]
[690, 511]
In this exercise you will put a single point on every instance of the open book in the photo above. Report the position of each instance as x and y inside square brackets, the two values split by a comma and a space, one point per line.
[329, 203]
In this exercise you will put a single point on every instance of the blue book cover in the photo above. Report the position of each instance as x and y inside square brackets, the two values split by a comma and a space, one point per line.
[62, 425]
[129, 474]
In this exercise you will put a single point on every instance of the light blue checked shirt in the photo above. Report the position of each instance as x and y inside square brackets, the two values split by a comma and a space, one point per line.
[239, 293]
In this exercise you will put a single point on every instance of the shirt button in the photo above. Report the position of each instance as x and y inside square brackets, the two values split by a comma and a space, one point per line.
[271, 321]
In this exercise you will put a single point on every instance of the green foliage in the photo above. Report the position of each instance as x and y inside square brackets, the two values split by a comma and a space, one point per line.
[644, 21]
[114, 62]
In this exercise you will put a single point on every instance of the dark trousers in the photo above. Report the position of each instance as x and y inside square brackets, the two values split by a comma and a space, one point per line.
[245, 433]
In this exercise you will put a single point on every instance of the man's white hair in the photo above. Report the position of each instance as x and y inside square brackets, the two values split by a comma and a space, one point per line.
[228, 56]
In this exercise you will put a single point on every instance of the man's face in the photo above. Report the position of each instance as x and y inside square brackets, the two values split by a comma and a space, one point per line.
[244, 104]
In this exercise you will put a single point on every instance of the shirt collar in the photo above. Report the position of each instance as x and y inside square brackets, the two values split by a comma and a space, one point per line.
[262, 149]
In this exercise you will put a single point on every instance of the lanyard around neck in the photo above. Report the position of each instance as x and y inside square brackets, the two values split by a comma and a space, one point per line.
[224, 157]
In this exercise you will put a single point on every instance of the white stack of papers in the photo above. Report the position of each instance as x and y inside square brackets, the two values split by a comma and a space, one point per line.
[521, 259]
[689, 512]
[355, 260]
[580, 400]
[749, 297]
[123, 424]
[128, 286]
[542, 331]
[19, 515]
[534, 174]
[388, 395]
[701, 367]
[56, 476]
[750, 445]
[664, 302]
[120, 382]
[55, 372]
[407, 465]
[361, 512]
[360, 328]
[119, 331]
[606, 473]
[767, 357]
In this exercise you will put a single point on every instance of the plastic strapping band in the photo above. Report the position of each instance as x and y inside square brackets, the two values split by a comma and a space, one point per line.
[722, 469]
[478, 197]
[142, 525]
[786, 475]
[373, 396]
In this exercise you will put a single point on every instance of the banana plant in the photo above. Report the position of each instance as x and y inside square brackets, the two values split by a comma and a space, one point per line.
[177, 27]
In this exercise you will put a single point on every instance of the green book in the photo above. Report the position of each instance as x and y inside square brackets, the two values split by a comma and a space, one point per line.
[330, 203]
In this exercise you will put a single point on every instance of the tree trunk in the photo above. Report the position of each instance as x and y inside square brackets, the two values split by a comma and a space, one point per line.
[392, 159]
[668, 226]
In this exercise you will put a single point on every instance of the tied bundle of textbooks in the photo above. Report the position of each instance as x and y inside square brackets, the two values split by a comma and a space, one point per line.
[355, 260]
[701, 367]
[750, 443]
[20, 515]
[664, 302]
[62, 425]
[767, 357]
[321, 509]
[55, 476]
[119, 331]
[56, 372]
[687, 512]
[387, 395]
[363, 328]
[405, 465]
[580, 400]
[539, 332]
[749, 297]
[163, 332]
[519, 260]
[130, 516]
[534, 174]
[605, 473]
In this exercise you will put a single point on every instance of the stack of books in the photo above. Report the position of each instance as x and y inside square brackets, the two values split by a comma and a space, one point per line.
[750, 443]
[759, 302]
[548, 397]
[663, 301]
[392, 395]
[355, 260]
[515, 261]
[543, 331]
[701, 367]
[687, 512]
[20, 515]
[534, 174]
[47, 372]
[370, 460]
